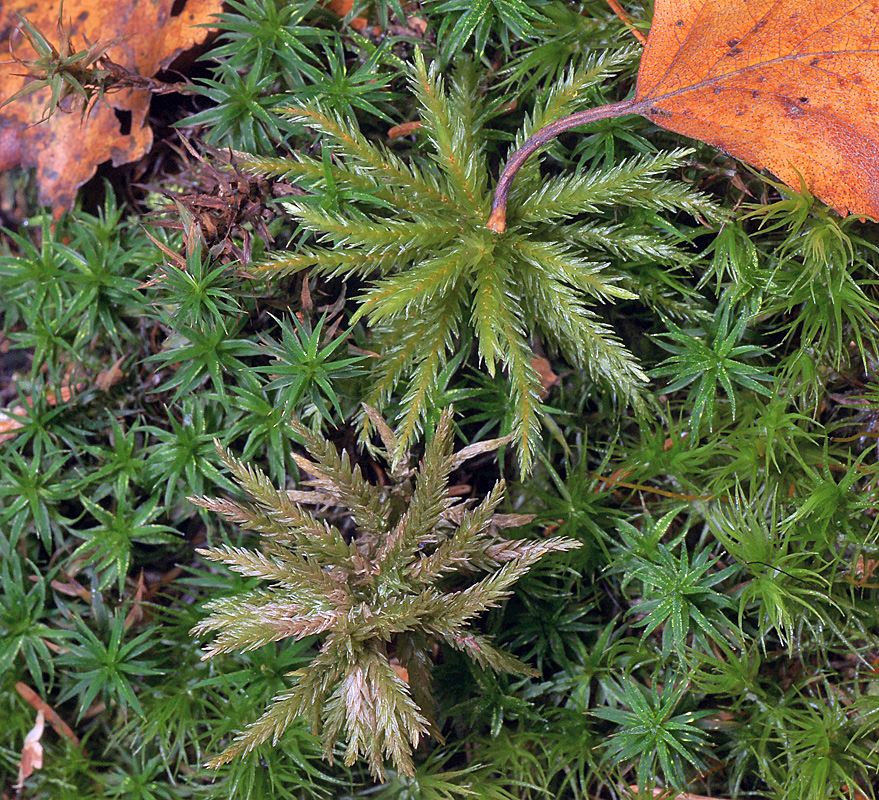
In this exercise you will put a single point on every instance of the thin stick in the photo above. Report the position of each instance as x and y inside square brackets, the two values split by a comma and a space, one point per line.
[627, 20]
[60, 726]
[653, 490]
[498, 219]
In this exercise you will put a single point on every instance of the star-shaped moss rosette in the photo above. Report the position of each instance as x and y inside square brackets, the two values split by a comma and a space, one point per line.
[377, 590]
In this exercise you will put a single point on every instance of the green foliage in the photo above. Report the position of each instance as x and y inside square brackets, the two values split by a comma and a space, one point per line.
[240, 111]
[825, 753]
[716, 632]
[108, 545]
[820, 250]
[652, 734]
[706, 360]
[303, 369]
[32, 490]
[509, 20]
[676, 593]
[58, 298]
[268, 51]
[556, 759]
[24, 634]
[550, 621]
[440, 275]
[207, 352]
[434, 780]
[342, 91]
[786, 590]
[268, 38]
[184, 452]
[122, 462]
[379, 593]
[385, 10]
[564, 37]
[106, 669]
[197, 291]
[138, 779]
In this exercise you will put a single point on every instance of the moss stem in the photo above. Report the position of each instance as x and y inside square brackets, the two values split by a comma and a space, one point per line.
[498, 219]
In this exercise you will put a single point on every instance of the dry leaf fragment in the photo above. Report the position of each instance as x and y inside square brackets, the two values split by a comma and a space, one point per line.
[222, 206]
[66, 150]
[626, 20]
[72, 588]
[417, 25]
[863, 572]
[9, 423]
[108, 378]
[31, 753]
[343, 7]
[548, 378]
[136, 614]
[402, 672]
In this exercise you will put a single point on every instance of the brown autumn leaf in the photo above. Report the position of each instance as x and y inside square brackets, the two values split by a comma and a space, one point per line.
[791, 86]
[417, 25]
[66, 149]
[109, 377]
[548, 378]
[404, 129]
[9, 424]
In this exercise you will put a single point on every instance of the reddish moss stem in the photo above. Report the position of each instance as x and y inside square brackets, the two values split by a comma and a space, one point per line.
[498, 219]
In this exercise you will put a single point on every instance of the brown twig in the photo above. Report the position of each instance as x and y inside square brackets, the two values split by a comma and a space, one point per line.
[60, 726]
[653, 490]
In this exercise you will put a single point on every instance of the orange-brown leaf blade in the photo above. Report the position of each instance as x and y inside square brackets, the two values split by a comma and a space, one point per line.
[791, 86]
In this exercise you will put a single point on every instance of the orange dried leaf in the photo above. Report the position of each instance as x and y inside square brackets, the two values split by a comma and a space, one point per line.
[108, 378]
[785, 85]
[136, 614]
[72, 588]
[547, 377]
[417, 25]
[66, 394]
[61, 727]
[9, 423]
[626, 20]
[402, 672]
[66, 149]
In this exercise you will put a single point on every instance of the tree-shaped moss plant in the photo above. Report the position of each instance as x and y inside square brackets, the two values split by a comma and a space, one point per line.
[375, 590]
[417, 230]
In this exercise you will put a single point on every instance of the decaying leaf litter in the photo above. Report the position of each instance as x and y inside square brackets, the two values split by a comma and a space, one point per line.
[67, 148]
